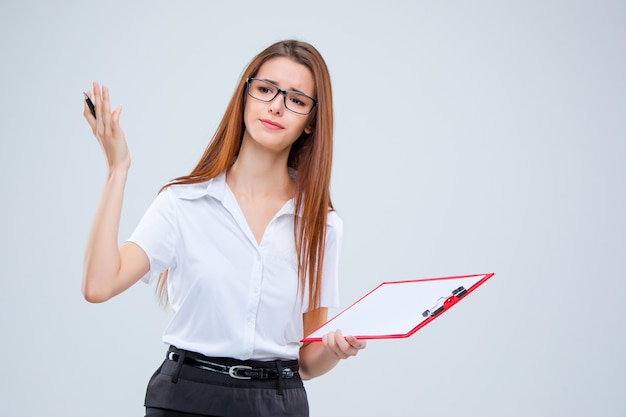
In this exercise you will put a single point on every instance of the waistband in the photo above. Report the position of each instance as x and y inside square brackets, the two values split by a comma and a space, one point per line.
[238, 369]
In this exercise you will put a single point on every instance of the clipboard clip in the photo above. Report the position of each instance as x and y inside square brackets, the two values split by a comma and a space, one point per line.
[443, 303]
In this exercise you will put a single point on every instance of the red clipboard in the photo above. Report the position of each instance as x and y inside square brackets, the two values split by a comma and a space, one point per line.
[398, 309]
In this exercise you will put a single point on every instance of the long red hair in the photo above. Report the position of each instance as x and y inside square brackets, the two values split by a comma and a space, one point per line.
[310, 156]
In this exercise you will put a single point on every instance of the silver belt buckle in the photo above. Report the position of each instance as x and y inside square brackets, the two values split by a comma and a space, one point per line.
[233, 369]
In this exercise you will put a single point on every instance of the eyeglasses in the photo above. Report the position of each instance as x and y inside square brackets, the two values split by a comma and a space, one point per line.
[295, 101]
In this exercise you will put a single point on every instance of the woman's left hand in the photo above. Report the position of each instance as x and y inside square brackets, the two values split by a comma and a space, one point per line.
[342, 346]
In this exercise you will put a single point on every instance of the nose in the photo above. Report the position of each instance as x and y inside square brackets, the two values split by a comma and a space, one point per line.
[277, 105]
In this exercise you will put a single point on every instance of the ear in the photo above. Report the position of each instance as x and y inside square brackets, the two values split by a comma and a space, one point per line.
[308, 129]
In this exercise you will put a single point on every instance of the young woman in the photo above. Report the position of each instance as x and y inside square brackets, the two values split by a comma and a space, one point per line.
[244, 248]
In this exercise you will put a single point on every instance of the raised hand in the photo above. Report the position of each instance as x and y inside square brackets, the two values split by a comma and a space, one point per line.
[106, 128]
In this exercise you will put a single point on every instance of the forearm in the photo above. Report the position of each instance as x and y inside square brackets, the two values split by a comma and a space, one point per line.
[102, 256]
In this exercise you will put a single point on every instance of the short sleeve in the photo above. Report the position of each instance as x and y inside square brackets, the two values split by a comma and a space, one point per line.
[330, 269]
[156, 234]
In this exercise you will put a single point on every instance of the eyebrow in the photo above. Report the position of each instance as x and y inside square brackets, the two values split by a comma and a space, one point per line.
[290, 90]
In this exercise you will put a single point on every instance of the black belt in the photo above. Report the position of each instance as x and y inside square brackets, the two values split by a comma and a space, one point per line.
[240, 371]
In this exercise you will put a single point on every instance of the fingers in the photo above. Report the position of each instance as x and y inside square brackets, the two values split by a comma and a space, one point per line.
[97, 102]
[106, 122]
[342, 347]
[115, 119]
[106, 127]
[106, 110]
[97, 99]
[356, 343]
[87, 112]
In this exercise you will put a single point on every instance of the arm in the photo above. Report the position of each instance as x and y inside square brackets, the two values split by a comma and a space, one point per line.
[317, 358]
[107, 269]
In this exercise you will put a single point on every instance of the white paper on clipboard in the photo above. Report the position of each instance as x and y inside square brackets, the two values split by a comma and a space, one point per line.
[397, 309]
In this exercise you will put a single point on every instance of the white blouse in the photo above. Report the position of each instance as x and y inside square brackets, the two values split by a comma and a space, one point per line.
[230, 296]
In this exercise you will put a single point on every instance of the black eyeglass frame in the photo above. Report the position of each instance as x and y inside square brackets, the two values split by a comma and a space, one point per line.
[280, 91]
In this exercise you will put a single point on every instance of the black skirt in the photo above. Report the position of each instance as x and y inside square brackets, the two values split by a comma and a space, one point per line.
[179, 389]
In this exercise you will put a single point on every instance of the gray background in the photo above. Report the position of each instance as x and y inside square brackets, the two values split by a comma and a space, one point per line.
[471, 137]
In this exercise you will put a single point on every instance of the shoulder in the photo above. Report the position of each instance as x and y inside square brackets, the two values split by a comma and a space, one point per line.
[213, 187]
[334, 222]
[184, 191]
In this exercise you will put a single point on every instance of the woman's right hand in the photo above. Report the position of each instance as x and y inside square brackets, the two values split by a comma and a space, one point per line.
[106, 128]
[109, 269]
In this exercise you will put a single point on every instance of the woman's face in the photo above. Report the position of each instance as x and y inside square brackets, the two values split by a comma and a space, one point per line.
[271, 124]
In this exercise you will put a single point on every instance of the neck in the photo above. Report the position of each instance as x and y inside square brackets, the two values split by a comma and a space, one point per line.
[259, 173]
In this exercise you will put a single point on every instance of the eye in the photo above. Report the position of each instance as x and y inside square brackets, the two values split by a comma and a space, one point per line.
[298, 100]
[265, 89]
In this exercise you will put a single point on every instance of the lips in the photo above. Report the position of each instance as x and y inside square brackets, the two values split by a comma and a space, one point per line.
[271, 124]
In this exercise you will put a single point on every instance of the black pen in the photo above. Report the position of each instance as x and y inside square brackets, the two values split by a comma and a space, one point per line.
[90, 104]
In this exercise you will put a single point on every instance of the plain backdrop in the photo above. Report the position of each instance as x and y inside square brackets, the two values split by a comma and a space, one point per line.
[471, 137]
